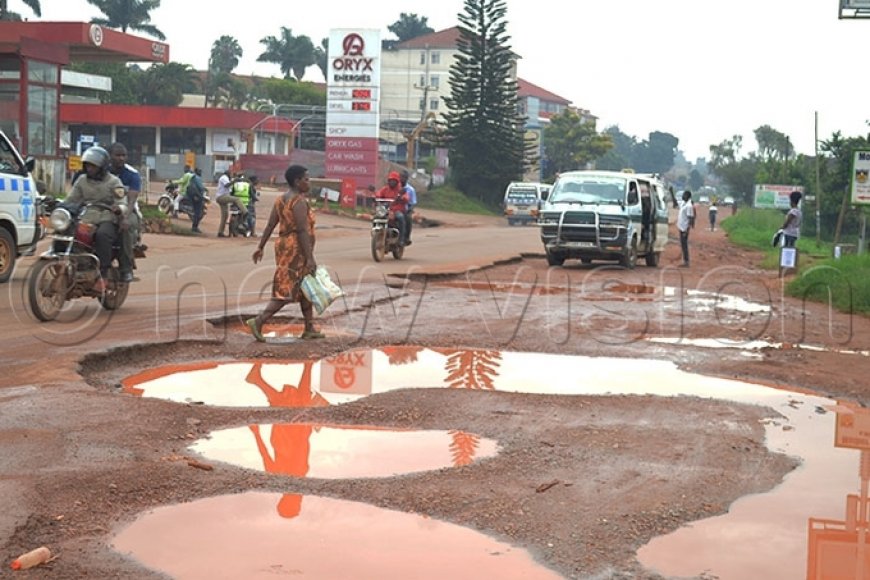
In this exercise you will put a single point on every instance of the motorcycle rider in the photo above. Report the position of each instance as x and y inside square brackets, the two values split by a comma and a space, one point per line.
[224, 196]
[98, 185]
[131, 180]
[182, 183]
[392, 190]
[242, 192]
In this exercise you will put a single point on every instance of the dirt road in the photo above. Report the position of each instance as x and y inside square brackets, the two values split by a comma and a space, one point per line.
[580, 481]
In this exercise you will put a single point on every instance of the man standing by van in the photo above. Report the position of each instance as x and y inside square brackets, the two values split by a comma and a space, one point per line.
[685, 220]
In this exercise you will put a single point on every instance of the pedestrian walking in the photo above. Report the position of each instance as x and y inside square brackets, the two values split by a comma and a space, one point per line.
[712, 214]
[294, 253]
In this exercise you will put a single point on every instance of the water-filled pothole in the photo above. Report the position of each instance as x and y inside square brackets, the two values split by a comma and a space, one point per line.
[265, 535]
[726, 546]
[330, 452]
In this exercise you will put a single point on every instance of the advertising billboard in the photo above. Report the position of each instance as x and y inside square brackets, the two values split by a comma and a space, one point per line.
[861, 178]
[352, 105]
[774, 196]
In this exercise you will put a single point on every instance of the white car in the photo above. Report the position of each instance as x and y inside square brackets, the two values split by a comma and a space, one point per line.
[728, 200]
[18, 207]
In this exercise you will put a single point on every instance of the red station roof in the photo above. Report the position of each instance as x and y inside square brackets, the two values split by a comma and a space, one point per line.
[84, 41]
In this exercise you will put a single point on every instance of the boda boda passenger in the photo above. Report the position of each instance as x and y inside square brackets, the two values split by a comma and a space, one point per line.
[399, 206]
[99, 186]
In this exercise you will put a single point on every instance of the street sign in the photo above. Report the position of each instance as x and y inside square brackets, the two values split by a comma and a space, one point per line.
[861, 178]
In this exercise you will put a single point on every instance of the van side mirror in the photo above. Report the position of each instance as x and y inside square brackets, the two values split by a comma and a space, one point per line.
[632, 197]
[30, 164]
[545, 193]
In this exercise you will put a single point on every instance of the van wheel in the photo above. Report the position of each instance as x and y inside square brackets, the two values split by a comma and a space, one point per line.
[629, 258]
[8, 252]
[585, 260]
[555, 259]
[652, 259]
[511, 222]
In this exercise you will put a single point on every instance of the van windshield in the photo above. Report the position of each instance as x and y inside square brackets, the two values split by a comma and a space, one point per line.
[589, 189]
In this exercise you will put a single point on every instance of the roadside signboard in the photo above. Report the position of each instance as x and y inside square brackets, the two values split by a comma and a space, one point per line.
[774, 196]
[861, 178]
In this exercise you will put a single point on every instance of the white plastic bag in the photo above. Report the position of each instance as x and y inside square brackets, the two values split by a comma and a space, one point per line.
[320, 290]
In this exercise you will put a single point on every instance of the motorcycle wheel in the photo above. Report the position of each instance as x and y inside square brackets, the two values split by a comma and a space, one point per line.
[378, 246]
[164, 204]
[398, 251]
[116, 291]
[46, 289]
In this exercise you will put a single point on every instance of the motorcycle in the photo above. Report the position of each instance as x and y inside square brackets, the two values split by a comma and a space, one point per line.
[385, 232]
[238, 225]
[70, 269]
[170, 202]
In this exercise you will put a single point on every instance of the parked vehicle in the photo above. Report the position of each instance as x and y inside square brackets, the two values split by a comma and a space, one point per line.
[173, 202]
[70, 269]
[385, 232]
[605, 215]
[521, 201]
[729, 200]
[19, 208]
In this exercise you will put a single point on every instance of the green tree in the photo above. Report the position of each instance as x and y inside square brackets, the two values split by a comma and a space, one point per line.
[128, 14]
[737, 173]
[410, 26]
[620, 156]
[6, 15]
[656, 155]
[572, 143]
[291, 91]
[696, 180]
[165, 84]
[224, 58]
[321, 56]
[292, 53]
[484, 129]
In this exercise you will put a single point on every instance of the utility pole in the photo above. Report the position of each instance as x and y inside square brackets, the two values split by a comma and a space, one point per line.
[425, 115]
[818, 188]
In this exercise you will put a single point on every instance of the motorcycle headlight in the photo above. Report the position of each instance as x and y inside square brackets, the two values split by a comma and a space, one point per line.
[60, 219]
[381, 211]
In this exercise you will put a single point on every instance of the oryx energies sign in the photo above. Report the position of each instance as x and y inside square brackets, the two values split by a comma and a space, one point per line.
[353, 83]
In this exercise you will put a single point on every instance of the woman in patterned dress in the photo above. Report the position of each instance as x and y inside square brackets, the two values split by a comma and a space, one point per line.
[294, 253]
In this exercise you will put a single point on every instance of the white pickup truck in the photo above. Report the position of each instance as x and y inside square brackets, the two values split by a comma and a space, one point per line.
[19, 209]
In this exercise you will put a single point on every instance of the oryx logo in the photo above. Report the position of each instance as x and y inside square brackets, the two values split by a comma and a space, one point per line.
[353, 45]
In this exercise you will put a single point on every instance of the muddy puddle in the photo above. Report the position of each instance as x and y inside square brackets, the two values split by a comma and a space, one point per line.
[265, 535]
[808, 520]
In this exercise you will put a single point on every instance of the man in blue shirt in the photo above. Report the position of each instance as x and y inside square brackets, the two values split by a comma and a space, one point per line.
[130, 237]
[412, 201]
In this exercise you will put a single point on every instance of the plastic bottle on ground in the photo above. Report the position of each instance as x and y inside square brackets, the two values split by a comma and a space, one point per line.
[40, 555]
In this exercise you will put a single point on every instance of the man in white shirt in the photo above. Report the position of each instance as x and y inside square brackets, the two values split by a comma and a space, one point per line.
[685, 221]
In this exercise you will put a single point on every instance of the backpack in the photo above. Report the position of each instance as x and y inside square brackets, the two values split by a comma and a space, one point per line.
[193, 190]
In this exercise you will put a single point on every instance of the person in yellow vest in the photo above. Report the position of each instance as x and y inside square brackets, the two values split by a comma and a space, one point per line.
[242, 191]
[224, 199]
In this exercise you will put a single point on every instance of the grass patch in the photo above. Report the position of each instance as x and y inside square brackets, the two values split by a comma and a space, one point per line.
[150, 211]
[446, 198]
[845, 283]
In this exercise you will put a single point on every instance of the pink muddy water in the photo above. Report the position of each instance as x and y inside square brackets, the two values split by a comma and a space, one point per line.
[804, 522]
[264, 535]
[332, 452]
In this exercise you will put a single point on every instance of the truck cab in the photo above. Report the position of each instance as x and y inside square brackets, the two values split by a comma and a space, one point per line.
[18, 207]
[605, 215]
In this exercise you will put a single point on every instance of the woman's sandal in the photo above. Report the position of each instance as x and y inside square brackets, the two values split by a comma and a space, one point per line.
[308, 334]
[255, 332]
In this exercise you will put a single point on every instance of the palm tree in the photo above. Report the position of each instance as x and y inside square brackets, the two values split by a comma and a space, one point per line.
[165, 84]
[6, 15]
[292, 53]
[124, 14]
[225, 54]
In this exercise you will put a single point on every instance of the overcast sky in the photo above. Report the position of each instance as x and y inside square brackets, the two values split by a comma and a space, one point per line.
[699, 69]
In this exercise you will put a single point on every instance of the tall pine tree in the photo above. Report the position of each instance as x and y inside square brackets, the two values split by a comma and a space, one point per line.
[484, 127]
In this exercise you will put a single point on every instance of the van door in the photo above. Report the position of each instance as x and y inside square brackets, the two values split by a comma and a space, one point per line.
[661, 217]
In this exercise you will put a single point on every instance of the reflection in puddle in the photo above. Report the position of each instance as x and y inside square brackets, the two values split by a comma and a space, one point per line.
[329, 452]
[727, 546]
[263, 535]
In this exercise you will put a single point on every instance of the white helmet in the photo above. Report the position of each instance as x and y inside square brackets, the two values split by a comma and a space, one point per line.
[96, 156]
